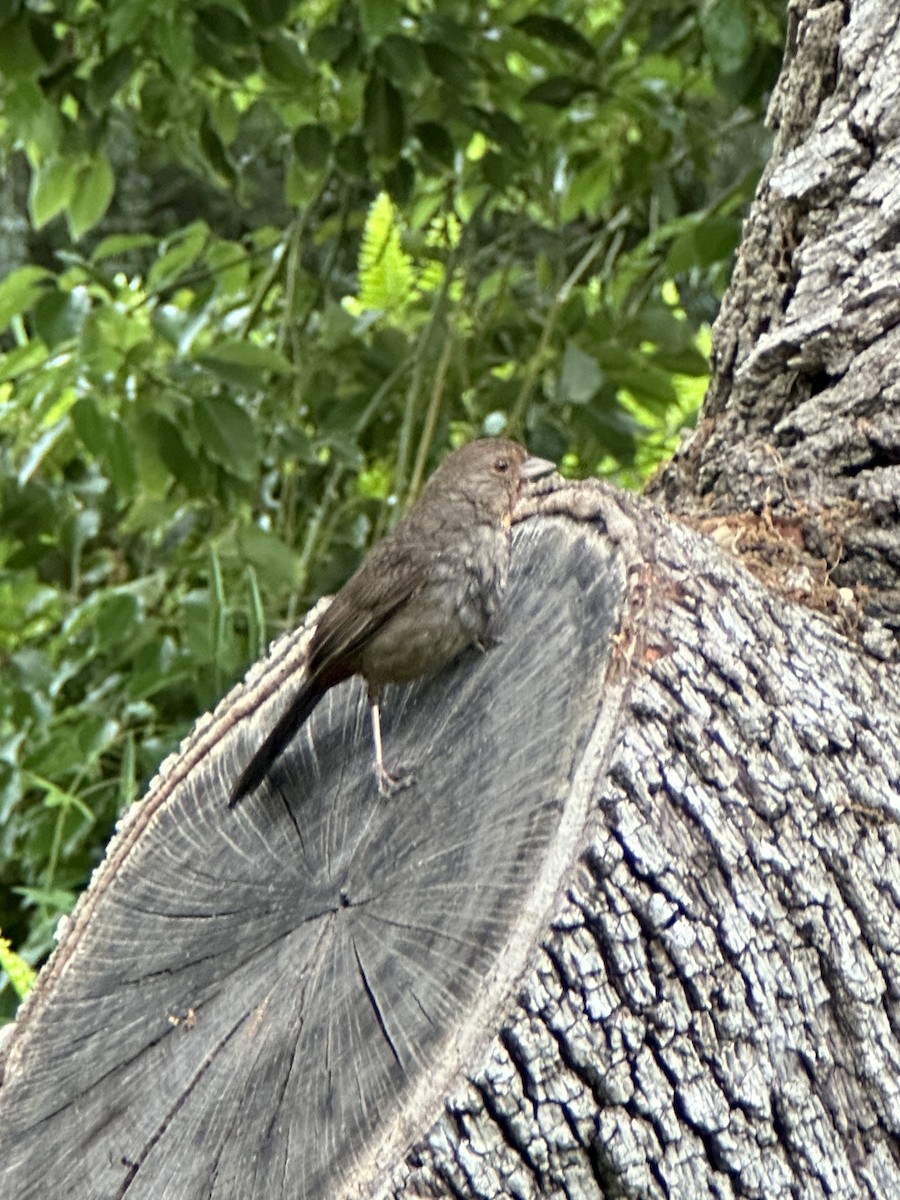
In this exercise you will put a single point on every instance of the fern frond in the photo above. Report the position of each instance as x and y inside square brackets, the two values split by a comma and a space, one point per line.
[385, 270]
[20, 974]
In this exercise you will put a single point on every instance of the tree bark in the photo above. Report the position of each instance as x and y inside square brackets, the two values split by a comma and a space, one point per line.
[802, 419]
[635, 930]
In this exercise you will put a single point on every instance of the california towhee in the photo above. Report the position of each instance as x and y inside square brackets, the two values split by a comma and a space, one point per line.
[423, 594]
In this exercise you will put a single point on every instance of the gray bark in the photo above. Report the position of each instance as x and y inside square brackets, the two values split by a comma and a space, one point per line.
[802, 420]
[635, 931]
[713, 1009]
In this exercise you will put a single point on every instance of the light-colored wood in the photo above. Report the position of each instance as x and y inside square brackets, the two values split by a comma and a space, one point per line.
[250, 998]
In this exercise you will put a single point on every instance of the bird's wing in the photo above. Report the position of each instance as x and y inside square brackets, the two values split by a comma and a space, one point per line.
[387, 579]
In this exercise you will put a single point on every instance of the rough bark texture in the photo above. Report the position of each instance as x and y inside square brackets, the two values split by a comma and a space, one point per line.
[802, 420]
[636, 931]
[714, 1011]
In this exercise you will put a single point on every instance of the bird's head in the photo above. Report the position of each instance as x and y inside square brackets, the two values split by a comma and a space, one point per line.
[490, 472]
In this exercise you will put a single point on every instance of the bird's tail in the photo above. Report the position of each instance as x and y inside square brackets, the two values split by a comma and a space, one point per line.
[306, 699]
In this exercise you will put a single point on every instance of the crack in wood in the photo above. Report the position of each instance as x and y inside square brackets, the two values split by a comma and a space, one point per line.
[376, 1008]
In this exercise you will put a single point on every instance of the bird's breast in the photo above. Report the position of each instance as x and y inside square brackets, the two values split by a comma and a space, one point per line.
[449, 611]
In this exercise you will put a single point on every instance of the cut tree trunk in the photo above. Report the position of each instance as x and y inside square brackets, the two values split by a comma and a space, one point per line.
[636, 929]
[802, 419]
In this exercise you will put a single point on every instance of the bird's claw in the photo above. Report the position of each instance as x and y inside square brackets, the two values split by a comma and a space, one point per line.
[390, 784]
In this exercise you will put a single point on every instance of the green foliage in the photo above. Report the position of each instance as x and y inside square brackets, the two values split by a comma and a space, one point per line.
[17, 971]
[385, 270]
[281, 256]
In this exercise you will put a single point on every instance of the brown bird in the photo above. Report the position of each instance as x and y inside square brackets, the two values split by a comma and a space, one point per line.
[421, 595]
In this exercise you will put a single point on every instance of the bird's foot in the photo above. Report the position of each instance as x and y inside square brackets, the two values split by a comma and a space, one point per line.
[389, 784]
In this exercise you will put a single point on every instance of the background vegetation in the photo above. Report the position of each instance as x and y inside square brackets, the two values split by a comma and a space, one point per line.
[261, 263]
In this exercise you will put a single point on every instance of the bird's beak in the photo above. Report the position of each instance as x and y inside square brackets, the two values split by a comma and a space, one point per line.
[534, 468]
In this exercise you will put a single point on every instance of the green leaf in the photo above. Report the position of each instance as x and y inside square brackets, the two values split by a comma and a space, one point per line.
[20, 974]
[244, 360]
[19, 57]
[312, 146]
[223, 24]
[589, 188]
[378, 17]
[120, 618]
[91, 195]
[120, 459]
[60, 316]
[112, 617]
[90, 425]
[36, 122]
[105, 437]
[687, 361]
[214, 148]
[230, 264]
[385, 271]
[228, 434]
[557, 92]
[276, 563]
[436, 143]
[124, 22]
[174, 39]
[157, 665]
[58, 899]
[22, 360]
[400, 181]
[580, 377]
[46, 34]
[28, 610]
[350, 155]
[728, 34]
[169, 442]
[52, 186]
[649, 385]
[300, 186]
[19, 290]
[383, 117]
[500, 128]
[108, 77]
[183, 250]
[556, 33]
[118, 244]
[284, 60]
[401, 60]
[712, 240]
[330, 43]
[266, 13]
[448, 65]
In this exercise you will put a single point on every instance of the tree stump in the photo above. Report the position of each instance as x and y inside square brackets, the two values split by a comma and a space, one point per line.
[636, 930]
[245, 997]
[633, 932]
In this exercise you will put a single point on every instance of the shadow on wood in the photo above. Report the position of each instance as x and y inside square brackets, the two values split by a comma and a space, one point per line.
[247, 1001]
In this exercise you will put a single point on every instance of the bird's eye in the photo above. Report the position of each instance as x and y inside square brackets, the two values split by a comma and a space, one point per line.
[501, 465]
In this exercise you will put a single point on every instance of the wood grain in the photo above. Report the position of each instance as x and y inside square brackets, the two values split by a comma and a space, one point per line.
[251, 998]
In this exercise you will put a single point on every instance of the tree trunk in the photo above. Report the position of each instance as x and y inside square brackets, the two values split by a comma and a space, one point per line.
[801, 423]
[635, 930]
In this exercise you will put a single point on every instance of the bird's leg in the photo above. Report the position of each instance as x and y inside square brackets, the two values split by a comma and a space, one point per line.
[388, 784]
